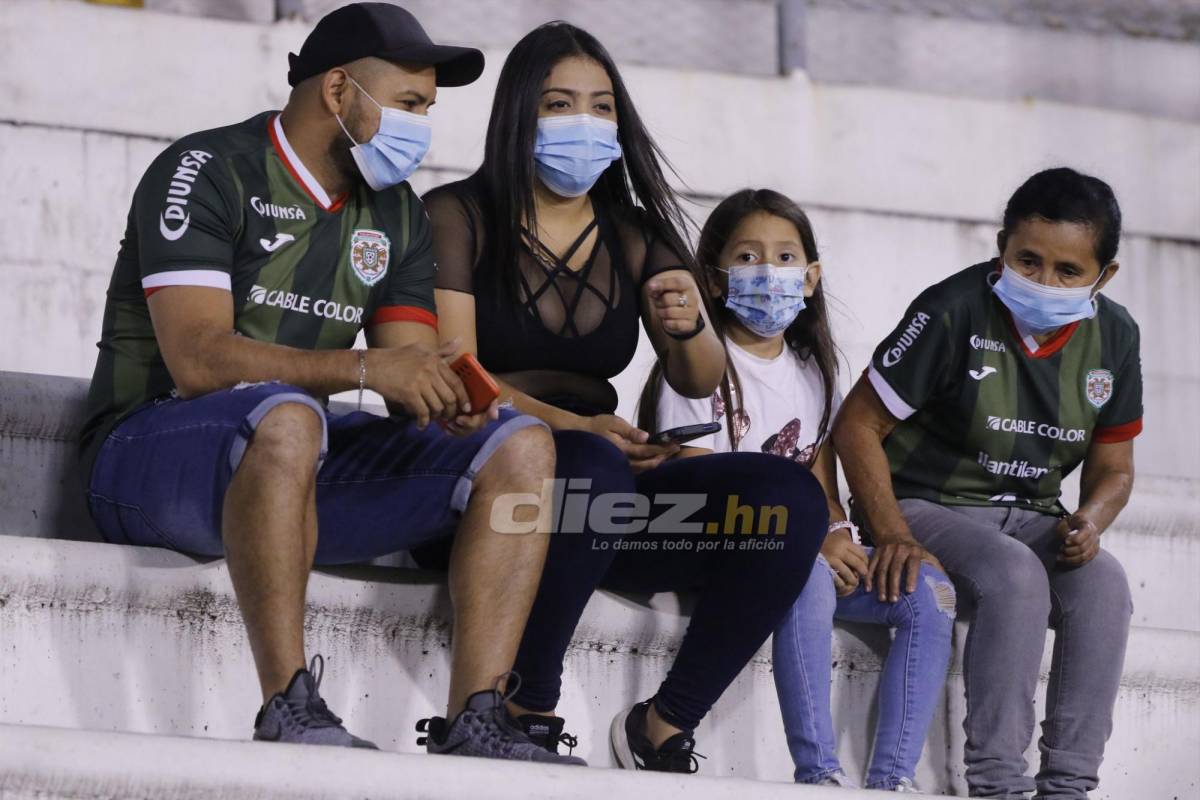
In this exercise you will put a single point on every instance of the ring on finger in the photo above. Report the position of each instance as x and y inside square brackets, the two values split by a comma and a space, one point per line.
[683, 301]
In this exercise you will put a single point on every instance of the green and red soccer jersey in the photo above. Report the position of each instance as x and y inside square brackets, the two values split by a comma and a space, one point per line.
[988, 416]
[235, 209]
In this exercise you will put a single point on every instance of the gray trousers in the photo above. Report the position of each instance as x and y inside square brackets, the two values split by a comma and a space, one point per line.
[1002, 561]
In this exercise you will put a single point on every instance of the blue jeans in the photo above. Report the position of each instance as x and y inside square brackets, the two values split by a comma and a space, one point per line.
[909, 687]
[382, 485]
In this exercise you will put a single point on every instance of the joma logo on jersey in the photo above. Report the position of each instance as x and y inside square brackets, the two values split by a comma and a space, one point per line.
[979, 343]
[190, 163]
[910, 334]
[278, 212]
[1033, 428]
[1011, 469]
[369, 254]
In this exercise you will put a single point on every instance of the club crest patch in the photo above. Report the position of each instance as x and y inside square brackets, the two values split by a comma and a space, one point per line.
[1099, 387]
[370, 251]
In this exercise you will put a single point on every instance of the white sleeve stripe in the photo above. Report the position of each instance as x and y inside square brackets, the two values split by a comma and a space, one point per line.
[891, 400]
[189, 277]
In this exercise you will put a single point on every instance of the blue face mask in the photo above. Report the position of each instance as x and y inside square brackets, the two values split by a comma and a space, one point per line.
[396, 149]
[571, 152]
[765, 298]
[1040, 308]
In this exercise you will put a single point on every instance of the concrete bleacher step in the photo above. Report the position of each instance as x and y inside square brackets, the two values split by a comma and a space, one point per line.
[1156, 538]
[61, 764]
[105, 637]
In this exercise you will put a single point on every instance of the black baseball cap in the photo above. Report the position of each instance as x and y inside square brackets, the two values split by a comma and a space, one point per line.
[382, 30]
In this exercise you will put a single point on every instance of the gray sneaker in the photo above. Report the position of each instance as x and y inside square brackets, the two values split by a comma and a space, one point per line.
[485, 729]
[300, 716]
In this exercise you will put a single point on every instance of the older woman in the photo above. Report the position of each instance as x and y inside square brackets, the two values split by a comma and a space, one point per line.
[997, 383]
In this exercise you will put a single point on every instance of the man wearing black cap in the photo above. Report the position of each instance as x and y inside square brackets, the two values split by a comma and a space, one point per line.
[253, 256]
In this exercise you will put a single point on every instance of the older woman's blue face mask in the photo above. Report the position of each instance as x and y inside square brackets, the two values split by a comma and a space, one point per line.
[1049, 275]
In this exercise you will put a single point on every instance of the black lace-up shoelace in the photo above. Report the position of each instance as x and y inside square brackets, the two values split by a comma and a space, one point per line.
[506, 731]
[500, 730]
[312, 711]
[570, 741]
[683, 760]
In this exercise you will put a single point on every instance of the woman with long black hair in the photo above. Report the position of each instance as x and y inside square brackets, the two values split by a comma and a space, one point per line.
[547, 257]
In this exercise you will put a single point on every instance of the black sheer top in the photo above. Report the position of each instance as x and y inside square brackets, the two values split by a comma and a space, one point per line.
[572, 329]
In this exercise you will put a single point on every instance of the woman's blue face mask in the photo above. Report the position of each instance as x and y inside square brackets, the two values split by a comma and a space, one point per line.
[572, 152]
[1043, 309]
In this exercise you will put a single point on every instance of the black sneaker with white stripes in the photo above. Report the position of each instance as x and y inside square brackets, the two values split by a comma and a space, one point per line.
[633, 749]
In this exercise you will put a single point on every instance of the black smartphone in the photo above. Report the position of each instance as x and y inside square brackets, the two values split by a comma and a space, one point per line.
[685, 434]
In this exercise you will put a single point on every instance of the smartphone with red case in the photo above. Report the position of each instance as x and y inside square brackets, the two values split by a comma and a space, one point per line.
[481, 389]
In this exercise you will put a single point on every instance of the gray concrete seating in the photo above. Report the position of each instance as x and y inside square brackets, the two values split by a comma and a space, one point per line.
[109, 637]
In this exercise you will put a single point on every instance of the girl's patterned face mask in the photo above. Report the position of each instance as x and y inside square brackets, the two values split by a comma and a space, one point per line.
[765, 298]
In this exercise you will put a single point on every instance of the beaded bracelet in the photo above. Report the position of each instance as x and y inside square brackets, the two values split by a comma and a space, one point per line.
[847, 525]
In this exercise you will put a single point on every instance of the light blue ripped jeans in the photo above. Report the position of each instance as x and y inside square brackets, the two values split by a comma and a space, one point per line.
[908, 689]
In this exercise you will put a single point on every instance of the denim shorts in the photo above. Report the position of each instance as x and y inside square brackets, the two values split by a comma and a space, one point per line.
[383, 485]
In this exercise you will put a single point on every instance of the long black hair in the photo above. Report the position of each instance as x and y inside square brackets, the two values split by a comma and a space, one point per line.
[506, 177]
[809, 335]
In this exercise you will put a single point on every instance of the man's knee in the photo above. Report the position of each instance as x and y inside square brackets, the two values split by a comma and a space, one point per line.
[526, 457]
[1101, 585]
[1011, 578]
[291, 435]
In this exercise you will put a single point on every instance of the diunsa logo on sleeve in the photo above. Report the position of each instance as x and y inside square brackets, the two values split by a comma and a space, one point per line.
[907, 337]
[174, 220]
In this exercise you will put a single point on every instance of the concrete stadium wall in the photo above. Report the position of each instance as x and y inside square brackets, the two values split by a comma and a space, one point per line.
[1137, 56]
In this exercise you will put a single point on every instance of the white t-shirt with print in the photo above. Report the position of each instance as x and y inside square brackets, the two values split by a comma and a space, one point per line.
[783, 399]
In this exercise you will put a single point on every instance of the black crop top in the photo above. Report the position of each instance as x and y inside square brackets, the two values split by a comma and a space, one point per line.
[581, 321]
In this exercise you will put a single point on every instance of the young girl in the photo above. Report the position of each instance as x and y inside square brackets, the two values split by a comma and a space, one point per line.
[778, 396]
